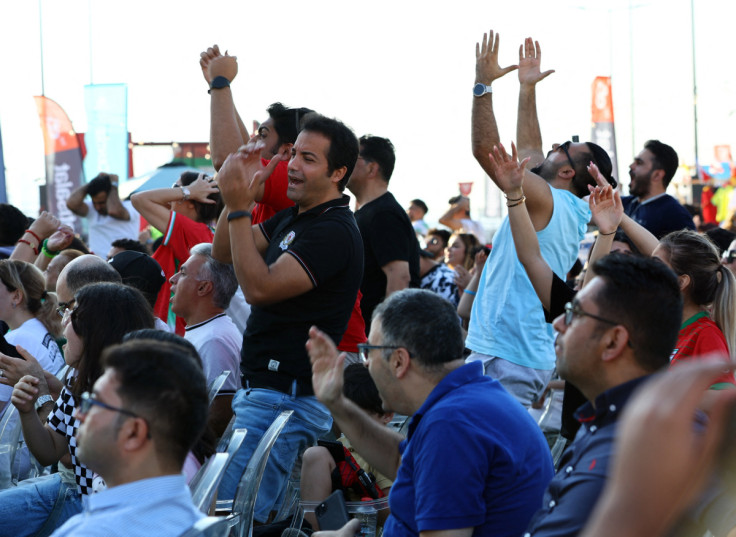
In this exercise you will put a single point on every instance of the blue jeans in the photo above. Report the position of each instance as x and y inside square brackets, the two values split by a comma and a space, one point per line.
[40, 503]
[255, 409]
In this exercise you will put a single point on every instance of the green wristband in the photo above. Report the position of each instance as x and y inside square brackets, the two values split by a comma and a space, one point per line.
[48, 253]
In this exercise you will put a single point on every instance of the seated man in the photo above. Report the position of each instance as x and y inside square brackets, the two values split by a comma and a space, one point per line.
[474, 461]
[320, 472]
[143, 416]
[202, 290]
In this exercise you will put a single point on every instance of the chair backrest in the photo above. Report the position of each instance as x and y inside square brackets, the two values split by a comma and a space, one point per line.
[209, 527]
[226, 435]
[250, 481]
[205, 482]
[215, 386]
[10, 430]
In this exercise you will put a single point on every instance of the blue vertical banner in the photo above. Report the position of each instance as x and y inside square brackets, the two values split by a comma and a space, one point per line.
[3, 191]
[106, 139]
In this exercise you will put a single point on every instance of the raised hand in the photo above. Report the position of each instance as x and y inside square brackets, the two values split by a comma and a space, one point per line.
[530, 60]
[242, 174]
[506, 170]
[606, 208]
[61, 239]
[204, 61]
[202, 187]
[15, 368]
[487, 68]
[45, 225]
[225, 65]
[327, 366]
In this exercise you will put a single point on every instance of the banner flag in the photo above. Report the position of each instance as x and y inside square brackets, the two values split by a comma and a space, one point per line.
[604, 133]
[107, 130]
[63, 160]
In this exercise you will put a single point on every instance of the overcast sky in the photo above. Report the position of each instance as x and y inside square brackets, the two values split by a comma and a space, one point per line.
[401, 69]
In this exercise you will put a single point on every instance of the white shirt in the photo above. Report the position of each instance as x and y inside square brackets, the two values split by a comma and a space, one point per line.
[104, 229]
[218, 342]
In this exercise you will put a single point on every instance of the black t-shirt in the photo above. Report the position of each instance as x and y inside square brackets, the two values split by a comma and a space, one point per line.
[326, 242]
[387, 236]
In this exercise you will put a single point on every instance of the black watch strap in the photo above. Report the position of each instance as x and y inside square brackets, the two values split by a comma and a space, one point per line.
[219, 82]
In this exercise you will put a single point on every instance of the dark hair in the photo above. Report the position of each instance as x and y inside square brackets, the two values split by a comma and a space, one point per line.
[166, 337]
[424, 323]
[642, 294]
[165, 388]
[695, 255]
[443, 233]
[344, 147]
[104, 313]
[600, 158]
[287, 121]
[90, 270]
[130, 245]
[722, 238]
[381, 151]
[419, 203]
[359, 387]
[206, 212]
[665, 159]
[101, 183]
[79, 245]
[13, 224]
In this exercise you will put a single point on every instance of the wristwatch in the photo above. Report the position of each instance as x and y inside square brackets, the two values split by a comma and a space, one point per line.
[481, 89]
[186, 193]
[219, 82]
[42, 401]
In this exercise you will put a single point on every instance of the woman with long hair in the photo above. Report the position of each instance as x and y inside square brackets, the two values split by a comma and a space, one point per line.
[30, 313]
[103, 314]
[186, 214]
[709, 297]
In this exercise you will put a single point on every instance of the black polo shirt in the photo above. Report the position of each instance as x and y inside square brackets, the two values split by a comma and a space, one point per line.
[326, 242]
[387, 236]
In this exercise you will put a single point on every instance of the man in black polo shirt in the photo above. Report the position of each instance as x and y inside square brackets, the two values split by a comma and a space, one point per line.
[302, 267]
[390, 245]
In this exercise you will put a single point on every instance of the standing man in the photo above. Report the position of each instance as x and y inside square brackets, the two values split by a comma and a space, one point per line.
[302, 267]
[507, 330]
[391, 249]
[649, 205]
[201, 292]
[417, 211]
[143, 416]
[474, 462]
[109, 218]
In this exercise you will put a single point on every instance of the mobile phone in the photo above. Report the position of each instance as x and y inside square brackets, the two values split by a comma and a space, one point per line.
[8, 349]
[332, 514]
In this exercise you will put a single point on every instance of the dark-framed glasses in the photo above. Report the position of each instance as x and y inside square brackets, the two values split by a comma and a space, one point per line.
[65, 308]
[88, 400]
[364, 349]
[573, 310]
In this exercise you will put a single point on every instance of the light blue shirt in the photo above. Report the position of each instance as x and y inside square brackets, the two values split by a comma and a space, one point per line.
[507, 319]
[160, 506]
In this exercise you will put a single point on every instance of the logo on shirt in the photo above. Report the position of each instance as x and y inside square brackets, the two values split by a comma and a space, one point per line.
[284, 245]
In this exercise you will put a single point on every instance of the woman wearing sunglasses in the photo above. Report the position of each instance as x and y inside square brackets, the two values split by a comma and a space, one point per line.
[103, 314]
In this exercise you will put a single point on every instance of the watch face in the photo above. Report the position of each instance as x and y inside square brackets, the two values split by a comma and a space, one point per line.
[479, 89]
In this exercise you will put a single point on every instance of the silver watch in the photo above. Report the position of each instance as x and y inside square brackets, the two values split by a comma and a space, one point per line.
[481, 89]
[186, 192]
[42, 401]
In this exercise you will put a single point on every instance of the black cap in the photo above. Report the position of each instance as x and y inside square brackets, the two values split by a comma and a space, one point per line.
[140, 271]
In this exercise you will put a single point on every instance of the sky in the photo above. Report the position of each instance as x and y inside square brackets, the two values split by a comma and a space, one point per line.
[400, 69]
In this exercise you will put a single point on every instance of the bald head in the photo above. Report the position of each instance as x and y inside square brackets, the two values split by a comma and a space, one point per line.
[81, 271]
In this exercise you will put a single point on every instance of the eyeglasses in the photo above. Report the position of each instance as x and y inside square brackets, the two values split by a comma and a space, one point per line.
[565, 148]
[364, 349]
[573, 310]
[88, 401]
[729, 256]
[65, 308]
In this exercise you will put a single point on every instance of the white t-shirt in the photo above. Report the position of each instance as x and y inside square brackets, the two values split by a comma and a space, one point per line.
[218, 342]
[103, 230]
[33, 337]
[474, 227]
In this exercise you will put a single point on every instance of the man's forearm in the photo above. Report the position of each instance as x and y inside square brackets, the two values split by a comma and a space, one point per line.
[221, 241]
[376, 443]
[75, 201]
[528, 134]
[484, 131]
[225, 129]
[115, 207]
